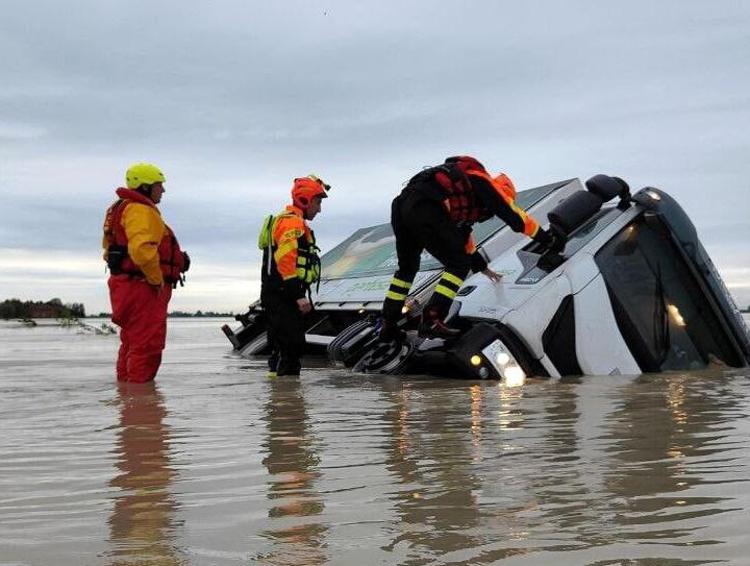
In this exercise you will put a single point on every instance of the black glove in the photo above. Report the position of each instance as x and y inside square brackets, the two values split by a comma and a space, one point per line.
[558, 242]
[551, 239]
[185, 262]
[543, 237]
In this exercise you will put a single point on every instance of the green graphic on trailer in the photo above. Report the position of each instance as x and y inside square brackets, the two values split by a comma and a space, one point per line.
[372, 251]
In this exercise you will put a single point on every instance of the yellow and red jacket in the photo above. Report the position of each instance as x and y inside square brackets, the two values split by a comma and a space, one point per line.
[135, 224]
[290, 257]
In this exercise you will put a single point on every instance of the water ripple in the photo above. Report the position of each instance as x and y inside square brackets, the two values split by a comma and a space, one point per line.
[216, 464]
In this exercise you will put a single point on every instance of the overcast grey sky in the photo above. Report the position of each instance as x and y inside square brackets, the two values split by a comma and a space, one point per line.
[232, 99]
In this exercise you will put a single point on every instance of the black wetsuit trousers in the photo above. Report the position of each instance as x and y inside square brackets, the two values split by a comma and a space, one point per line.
[286, 332]
[422, 223]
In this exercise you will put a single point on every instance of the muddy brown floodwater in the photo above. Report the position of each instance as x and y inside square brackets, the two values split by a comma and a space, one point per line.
[215, 464]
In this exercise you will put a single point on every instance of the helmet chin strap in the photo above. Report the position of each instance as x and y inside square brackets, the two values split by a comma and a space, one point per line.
[146, 191]
[299, 203]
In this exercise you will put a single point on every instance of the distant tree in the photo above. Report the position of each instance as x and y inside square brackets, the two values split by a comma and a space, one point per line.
[12, 308]
[199, 313]
[77, 310]
[54, 308]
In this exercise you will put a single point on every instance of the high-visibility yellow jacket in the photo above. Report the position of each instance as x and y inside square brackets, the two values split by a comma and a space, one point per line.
[293, 263]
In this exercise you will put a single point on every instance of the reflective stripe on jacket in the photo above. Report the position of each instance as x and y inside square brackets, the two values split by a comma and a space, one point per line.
[294, 255]
[507, 191]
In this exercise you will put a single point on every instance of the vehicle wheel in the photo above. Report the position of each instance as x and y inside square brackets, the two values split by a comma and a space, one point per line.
[386, 357]
[335, 353]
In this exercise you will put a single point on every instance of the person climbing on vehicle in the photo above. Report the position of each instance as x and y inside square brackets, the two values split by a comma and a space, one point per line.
[435, 212]
[145, 263]
[290, 267]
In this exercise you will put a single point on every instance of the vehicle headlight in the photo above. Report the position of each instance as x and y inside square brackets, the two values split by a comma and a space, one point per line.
[503, 361]
[514, 376]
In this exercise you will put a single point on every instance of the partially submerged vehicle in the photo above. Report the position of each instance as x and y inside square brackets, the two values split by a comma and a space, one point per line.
[632, 291]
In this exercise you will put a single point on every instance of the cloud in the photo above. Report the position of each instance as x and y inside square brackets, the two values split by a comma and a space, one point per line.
[15, 132]
[234, 101]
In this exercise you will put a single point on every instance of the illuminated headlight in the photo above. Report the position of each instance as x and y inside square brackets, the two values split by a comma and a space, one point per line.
[505, 364]
[514, 376]
[475, 360]
[502, 359]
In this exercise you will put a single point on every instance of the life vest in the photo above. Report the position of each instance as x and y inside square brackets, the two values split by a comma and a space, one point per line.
[454, 188]
[171, 258]
[460, 199]
[307, 263]
[458, 195]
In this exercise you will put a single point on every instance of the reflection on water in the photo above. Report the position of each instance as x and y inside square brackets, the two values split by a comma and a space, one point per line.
[335, 468]
[292, 464]
[427, 491]
[465, 499]
[665, 440]
[142, 523]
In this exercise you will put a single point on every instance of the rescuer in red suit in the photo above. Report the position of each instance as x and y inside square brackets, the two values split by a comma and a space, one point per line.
[145, 263]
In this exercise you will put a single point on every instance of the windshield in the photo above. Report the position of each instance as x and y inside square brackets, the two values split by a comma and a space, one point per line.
[663, 313]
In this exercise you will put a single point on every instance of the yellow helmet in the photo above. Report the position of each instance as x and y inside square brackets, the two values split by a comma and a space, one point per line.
[143, 174]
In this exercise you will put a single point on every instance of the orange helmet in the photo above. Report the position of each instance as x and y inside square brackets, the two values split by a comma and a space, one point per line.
[469, 166]
[506, 187]
[305, 189]
[473, 168]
